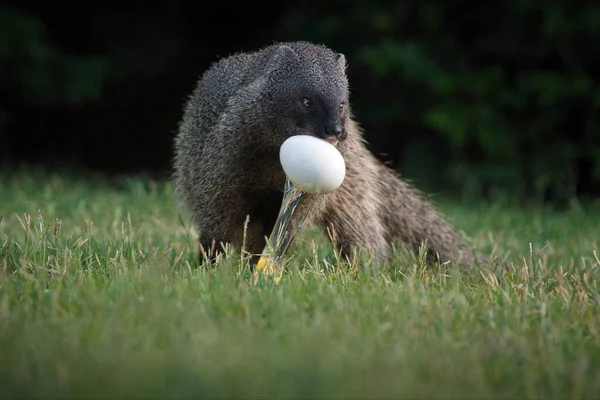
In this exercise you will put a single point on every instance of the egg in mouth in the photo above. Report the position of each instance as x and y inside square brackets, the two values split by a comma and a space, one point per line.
[311, 166]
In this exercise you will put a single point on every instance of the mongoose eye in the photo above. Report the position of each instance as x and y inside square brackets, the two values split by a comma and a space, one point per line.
[306, 102]
[341, 106]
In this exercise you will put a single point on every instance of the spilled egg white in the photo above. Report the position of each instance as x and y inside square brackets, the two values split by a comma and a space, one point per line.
[311, 164]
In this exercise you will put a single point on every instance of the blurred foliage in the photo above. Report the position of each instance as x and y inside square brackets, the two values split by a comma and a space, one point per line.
[459, 94]
[38, 72]
[502, 94]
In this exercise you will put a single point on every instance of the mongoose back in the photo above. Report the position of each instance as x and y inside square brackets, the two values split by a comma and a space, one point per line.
[226, 164]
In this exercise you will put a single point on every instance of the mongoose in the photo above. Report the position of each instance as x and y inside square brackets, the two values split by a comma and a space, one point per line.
[226, 164]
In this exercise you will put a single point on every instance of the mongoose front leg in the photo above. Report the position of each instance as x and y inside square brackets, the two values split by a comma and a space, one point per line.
[213, 235]
[241, 222]
[220, 204]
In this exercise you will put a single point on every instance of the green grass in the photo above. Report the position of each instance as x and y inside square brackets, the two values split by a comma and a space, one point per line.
[100, 297]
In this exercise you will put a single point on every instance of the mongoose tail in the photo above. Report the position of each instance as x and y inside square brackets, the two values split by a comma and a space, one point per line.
[409, 217]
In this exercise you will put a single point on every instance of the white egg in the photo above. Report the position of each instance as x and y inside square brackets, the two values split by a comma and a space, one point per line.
[311, 164]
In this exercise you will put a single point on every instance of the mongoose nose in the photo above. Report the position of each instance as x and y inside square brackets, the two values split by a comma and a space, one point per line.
[334, 129]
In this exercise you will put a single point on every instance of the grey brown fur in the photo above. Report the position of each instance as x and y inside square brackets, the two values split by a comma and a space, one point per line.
[226, 165]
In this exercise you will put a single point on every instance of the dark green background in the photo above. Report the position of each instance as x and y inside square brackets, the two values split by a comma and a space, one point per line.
[457, 95]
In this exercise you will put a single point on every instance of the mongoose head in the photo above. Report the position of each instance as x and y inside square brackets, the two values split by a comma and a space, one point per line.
[306, 92]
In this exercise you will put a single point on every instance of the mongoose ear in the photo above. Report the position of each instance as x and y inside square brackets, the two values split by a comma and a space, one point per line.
[282, 54]
[341, 60]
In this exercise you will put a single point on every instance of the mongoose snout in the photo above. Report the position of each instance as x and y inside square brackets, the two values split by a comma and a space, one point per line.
[333, 133]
